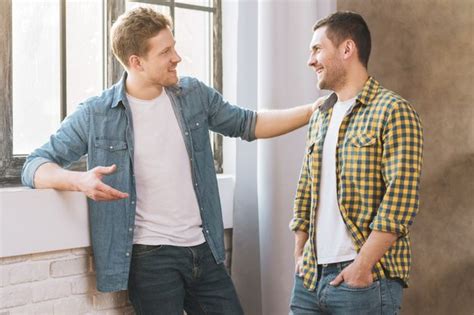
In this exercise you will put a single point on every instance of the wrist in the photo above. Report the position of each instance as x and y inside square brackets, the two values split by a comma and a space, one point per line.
[363, 263]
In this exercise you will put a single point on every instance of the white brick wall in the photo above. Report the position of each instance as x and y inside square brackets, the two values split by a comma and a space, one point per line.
[61, 282]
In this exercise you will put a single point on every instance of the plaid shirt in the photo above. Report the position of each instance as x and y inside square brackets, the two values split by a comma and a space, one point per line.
[378, 164]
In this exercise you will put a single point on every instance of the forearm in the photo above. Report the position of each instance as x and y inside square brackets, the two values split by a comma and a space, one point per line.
[51, 175]
[300, 240]
[374, 248]
[277, 122]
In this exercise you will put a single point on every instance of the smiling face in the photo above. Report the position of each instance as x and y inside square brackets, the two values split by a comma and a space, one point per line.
[327, 61]
[158, 66]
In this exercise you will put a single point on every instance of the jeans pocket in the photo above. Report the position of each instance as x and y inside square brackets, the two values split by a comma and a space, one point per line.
[140, 250]
[345, 286]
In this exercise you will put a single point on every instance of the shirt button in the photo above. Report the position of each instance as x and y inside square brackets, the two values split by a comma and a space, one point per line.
[127, 254]
[130, 229]
[111, 147]
[195, 184]
[186, 133]
[133, 202]
[197, 124]
[207, 231]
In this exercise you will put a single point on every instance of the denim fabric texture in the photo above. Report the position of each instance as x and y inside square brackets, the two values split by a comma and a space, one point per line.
[383, 296]
[102, 128]
[168, 279]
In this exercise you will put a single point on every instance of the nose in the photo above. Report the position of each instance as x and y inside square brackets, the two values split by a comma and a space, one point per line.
[177, 57]
[311, 60]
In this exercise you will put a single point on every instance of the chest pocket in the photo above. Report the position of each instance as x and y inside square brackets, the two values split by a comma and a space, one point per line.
[363, 140]
[362, 155]
[108, 152]
[199, 132]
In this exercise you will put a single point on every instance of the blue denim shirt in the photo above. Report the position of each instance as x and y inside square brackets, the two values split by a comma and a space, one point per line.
[101, 127]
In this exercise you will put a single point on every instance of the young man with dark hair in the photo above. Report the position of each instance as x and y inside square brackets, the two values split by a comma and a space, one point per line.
[155, 216]
[358, 190]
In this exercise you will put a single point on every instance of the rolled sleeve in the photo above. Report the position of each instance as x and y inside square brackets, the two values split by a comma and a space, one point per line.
[227, 119]
[401, 171]
[29, 170]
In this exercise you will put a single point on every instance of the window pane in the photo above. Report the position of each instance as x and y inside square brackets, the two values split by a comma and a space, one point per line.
[84, 39]
[193, 43]
[35, 72]
[160, 8]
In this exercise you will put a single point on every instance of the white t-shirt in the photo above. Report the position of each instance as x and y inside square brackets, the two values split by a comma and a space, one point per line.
[333, 240]
[167, 211]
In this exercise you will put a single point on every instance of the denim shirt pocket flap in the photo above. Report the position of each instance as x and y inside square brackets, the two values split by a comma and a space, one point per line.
[110, 145]
[197, 121]
[363, 140]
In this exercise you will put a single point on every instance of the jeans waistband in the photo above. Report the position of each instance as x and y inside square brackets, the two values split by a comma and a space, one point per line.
[334, 267]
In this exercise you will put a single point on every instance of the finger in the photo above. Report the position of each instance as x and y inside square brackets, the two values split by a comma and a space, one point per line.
[106, 170]
[98, 196]
[111, 192]
[337, 281]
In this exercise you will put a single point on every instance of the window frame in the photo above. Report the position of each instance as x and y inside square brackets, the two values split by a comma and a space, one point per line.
[11, 165]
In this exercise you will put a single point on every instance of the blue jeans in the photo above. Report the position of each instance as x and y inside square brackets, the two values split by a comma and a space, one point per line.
[169, 279]
[381, 297]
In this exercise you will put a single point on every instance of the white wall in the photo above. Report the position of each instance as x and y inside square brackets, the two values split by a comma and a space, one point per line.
[242, 65]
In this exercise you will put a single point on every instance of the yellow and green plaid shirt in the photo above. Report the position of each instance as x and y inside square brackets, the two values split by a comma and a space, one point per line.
[378, 165]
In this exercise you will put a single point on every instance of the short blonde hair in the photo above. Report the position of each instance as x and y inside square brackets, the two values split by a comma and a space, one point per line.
[131, 31]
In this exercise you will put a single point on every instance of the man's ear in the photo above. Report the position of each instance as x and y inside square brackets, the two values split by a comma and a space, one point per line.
[135, 63]
[348, 48]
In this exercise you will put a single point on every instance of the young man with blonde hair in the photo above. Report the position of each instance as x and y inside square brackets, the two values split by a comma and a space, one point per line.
[359, 185]
[155, 215]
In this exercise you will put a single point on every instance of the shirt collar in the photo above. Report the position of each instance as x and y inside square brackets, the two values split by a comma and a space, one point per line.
[364, 97]
[120, 95]
[119, 91]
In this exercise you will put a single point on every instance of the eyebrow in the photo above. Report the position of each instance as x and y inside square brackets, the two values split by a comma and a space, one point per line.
[167, 47]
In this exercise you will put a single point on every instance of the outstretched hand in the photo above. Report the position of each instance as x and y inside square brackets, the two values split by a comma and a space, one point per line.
[93, 187]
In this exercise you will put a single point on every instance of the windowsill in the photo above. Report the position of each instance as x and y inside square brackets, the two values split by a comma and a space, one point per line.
[42, 220]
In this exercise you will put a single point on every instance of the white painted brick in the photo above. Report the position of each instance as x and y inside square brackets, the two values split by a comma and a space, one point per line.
[83, 285]
[49, 290]
[51, 255]
[15, 296]
[91, 264]
[13, 259]
[4, 270]
[29, 272]
[73, 305]
[104, 301]
[82, 251]
[76, 266]
[33, 309]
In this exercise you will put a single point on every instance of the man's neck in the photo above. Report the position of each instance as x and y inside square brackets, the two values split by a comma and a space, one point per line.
[354, 84]
[140, 89]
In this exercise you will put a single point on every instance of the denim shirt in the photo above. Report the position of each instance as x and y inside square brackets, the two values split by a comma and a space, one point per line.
[101, 127]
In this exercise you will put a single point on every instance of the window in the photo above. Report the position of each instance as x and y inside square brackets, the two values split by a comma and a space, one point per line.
[54, 58]
[56, 53]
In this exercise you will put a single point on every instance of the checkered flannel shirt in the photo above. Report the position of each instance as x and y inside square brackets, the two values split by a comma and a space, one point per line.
[378, 165]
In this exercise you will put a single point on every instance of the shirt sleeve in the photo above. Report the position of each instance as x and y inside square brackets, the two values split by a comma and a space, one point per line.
[302, 202]
[67, 145]
[401, 170]
[227, 119]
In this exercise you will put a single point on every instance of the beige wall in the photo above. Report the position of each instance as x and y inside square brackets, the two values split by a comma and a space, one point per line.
[424, 50]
